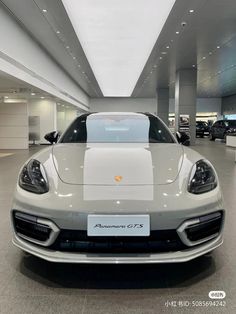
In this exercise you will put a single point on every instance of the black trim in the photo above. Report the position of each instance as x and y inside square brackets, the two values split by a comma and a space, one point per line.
[79, 241]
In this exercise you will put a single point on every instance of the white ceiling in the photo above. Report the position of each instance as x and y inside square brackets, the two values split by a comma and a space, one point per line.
[9, 84]
[207, 42]
[13, 88]
[212, 24]
[53, 31]
[117, 38]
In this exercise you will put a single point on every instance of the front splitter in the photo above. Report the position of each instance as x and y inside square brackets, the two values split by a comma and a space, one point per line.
[86, 258]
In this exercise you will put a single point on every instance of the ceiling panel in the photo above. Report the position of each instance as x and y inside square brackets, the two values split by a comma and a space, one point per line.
[117, 37]
[211, 25]
[48, 23]
[207, 42]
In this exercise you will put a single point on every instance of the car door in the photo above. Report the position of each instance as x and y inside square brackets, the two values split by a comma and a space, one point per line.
[222, 129]
[214, 129]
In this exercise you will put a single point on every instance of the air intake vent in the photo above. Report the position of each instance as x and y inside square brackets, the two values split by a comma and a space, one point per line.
[35, 229]
[198, 230]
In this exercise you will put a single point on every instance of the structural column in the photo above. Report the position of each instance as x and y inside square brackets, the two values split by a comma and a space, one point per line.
[185, 100]
[163, 104]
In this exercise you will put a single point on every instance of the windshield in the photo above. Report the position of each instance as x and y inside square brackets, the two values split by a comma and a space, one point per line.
[231, 123]
[200, 123]
[117, 128]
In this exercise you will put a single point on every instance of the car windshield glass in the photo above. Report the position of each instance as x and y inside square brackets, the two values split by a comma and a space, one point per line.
[231, 123]
[136, 128]
[201, 123]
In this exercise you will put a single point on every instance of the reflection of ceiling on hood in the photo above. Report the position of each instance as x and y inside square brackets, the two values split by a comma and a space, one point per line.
[118, 37]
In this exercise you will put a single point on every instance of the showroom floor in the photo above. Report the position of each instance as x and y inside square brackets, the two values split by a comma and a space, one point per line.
[30, 285]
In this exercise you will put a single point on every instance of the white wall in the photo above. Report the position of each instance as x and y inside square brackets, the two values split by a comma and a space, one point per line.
[46, 110]
[13, 126]
[64, 117]
[123, 104]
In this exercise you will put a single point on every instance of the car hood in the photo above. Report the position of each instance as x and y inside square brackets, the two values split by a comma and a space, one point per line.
[118, 164]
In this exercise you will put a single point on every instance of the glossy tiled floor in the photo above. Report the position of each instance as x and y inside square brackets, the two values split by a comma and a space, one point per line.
[30, 285]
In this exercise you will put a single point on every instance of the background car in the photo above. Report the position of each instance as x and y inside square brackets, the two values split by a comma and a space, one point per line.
[202, 128]
[222, 128]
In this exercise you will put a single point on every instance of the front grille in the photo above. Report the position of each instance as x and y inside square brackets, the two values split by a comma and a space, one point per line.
[208, 226]
[27, 226]
[78, 241]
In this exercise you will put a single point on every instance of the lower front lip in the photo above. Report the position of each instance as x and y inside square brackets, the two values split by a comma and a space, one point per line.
[171, 257]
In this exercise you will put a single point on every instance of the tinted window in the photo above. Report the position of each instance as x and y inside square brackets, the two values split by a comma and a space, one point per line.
[222, 124]
[216, 124]
[98, 128]
[201, 123]
[230, 123]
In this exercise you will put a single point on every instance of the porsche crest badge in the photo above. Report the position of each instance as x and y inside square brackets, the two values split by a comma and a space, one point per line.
[118, 178]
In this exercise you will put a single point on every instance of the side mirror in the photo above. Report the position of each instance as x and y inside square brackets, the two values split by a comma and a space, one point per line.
[183, 138]
[52, 137]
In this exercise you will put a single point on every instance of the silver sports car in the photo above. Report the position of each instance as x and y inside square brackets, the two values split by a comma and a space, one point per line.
[117, 188]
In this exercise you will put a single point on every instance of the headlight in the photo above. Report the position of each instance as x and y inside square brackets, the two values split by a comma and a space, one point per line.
[33, 178]
[203, 178]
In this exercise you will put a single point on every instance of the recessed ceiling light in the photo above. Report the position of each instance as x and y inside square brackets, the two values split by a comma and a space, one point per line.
[32, 94]
[203, 58]
[42, 97]
[6, 97]
[155, 66]
[218, 47]
[74, 58]
[83, 72]
[44, 11]
[193, 65]
[191, 11]
[177, 33]
[167, 47]
[67, 47]
[115, 60]
[78, 65]
[164, 53]
[58, 32]
[161, 58]
[210, 53]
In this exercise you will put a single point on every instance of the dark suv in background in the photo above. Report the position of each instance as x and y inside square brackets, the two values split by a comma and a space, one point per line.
[222, 128]
[202, 128]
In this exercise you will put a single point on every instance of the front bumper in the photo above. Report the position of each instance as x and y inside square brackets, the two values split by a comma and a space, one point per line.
[65, 257]
[69, 211]
[202, 132]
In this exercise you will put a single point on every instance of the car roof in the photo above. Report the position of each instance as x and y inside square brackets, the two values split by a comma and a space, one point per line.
[117, 114]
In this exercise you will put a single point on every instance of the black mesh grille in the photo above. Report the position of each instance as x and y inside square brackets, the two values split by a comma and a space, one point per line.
[27, 225]
[209, 225]
[78, 241]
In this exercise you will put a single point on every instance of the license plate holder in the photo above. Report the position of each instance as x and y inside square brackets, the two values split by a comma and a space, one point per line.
[118, 225]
